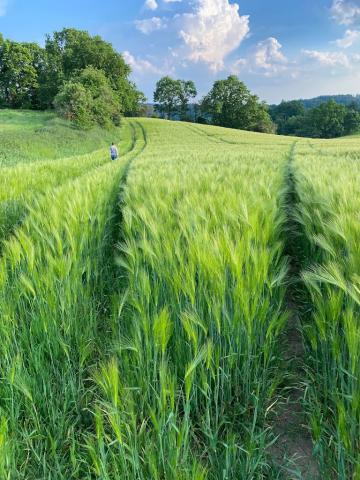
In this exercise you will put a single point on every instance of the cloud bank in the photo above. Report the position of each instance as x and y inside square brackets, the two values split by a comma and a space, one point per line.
[213, 30]
[346, 12]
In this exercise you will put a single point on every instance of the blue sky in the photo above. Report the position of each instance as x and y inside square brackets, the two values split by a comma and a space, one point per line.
[282, 49]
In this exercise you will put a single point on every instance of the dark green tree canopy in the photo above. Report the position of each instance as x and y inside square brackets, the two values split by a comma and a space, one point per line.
[187, 91]
[31, 76]
[283, 115]
[173, 96]
[327, 120]
[73, 50]
[20, 67]
[352, 120]
[286, 110]
[89, 99]
[231, 104]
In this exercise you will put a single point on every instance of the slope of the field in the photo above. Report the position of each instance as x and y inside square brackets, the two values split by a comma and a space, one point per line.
[144, 310]
[28, 136]
[23, 182]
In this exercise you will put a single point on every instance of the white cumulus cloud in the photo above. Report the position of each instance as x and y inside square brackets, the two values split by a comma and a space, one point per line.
[151, 4]
[346, 12]
[328, 59]
[150, 25]
[140, 65]
[3, 7]
[268, 55]
[348, 39]
[266, 58]
[213, 30]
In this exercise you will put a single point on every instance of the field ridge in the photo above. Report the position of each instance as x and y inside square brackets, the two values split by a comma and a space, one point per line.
[294, 444]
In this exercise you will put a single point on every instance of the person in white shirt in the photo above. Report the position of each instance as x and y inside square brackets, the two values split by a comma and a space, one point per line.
[114, 152]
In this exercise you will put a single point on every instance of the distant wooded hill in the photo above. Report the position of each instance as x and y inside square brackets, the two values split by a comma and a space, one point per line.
[345, 100]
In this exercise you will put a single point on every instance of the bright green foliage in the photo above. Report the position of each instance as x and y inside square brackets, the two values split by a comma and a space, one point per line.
[231, 104]
[24, 181]
[49, 277]
[32, 76]
[20, 67]
[160, 367]
[106, 108]
[131, 99]
[172, 97]
[74, 103]
[89, 100]
[327, 120]
[187, 91]
[328, 179]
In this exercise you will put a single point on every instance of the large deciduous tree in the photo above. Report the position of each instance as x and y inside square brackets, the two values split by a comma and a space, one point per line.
[70, 51]
[173, 96]
[31, 76]
[325, 121]
[88, 99]
[166, 97]
[20, 67]
[187, 91]
[286, 115]
[231, 104]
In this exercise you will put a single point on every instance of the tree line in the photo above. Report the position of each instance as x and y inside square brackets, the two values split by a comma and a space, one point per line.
[79, 75]
[231, 104]
[228, 104]
[327, 120]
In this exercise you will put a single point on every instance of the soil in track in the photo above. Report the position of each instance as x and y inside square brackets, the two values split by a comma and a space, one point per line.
[293, 449]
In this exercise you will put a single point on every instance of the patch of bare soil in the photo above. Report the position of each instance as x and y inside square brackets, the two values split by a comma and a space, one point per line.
[293, 448]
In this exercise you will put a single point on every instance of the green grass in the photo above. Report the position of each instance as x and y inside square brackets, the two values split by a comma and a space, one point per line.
[49, 312]
[27, 136]
[69, 231]
[194, 357]
[26, 181]
[328, 210]
[143, 302]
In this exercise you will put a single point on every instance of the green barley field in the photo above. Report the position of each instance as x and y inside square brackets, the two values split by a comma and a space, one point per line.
[148, 306]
